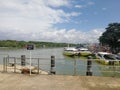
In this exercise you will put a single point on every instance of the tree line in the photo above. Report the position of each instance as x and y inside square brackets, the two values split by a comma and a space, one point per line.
[22, 44]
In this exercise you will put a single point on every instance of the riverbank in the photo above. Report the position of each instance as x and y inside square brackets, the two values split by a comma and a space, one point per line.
[13, 81]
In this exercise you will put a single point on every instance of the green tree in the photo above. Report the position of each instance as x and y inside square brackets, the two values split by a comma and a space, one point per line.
[111, 37]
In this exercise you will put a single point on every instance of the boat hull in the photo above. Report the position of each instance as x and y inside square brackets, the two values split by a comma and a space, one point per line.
[85, 54]
[69, 54]
[101, 61]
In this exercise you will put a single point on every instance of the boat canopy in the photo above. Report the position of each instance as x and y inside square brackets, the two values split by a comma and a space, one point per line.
[70, 49]
[83, 49]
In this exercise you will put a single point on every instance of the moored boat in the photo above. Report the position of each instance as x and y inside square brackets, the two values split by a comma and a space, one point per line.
[106, 58]
[70, 51]
[84, 52]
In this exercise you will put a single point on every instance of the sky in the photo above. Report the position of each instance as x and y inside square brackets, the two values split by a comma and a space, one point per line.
[67, 21]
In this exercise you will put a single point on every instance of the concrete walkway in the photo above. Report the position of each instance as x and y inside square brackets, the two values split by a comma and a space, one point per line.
[10, 81]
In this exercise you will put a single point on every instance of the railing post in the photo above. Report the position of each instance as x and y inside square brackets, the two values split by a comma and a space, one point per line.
[14, 64]
[89, 66]
[23, 63]
[112, 64]
[52, 65]
[4, 64]
[8, 59]
[114, 69]
[74, 66]
[38, 65]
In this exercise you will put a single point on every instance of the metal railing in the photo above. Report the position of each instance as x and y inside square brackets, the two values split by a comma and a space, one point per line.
[90, 67]
[22, 65]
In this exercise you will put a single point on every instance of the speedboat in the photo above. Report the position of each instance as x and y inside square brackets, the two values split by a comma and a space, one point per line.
[84, 52]
[70, 51]
[106, 58]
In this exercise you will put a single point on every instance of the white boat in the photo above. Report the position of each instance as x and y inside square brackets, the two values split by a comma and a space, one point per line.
[106, 58]
[84, 52]
[70, 51]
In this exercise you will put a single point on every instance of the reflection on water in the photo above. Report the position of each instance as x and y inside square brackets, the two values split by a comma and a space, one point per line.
[64, 65]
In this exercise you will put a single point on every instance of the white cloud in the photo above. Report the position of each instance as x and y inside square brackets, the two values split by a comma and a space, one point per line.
[32, 13]
[35, 19]
[57, 3]
[63, 35]
[104, 9]
[79, 6]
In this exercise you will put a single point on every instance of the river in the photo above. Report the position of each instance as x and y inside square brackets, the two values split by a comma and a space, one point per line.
[63, 65]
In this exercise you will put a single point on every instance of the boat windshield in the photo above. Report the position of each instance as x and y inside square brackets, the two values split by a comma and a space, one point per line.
[109, 57]
[100, 55]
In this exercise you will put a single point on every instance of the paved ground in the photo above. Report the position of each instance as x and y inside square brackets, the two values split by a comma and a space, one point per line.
[9, 81]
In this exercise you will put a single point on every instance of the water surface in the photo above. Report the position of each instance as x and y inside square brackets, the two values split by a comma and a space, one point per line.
[63, 64]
